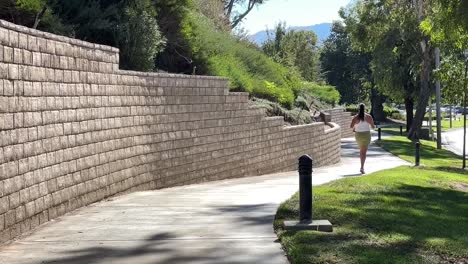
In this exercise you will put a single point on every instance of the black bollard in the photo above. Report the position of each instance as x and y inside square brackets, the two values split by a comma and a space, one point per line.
[401, 130]
[305, 188]
[417, 156]
[305, 202]
[380, 133]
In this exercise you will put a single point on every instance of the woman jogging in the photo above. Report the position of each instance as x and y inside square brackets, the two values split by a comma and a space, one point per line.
[361, 125]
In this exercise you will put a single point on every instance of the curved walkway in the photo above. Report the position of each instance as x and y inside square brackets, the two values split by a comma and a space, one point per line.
[227, 221]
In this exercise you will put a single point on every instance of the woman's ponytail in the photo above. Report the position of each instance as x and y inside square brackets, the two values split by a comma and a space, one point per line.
[361, 111]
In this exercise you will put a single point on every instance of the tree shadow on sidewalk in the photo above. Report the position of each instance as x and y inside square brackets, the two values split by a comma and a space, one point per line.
[166, 247]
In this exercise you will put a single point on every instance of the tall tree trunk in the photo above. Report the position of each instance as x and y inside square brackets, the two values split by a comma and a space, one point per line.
[425, 91]
[39, 17]
[409, 105]
[377, 106]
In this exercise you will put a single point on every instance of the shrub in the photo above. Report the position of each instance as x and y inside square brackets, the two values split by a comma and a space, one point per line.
[398, 116]
[270, 91]
[352, 109]
[325, 93]
[296, 116]
[389, 111]
[310, 103]
[228, 66]
[216, 52]
[302, 103]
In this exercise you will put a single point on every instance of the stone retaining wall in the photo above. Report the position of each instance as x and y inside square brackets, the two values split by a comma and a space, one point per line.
[74, 129]
[342, 119]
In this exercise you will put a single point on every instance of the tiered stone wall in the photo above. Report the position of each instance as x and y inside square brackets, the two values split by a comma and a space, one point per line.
[74, 129]
[342, 119]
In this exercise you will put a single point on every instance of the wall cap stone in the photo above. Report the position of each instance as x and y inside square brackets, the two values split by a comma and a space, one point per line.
[333, 126]
[170, 75]
[46, 35]
[85, 44]
[315, 124]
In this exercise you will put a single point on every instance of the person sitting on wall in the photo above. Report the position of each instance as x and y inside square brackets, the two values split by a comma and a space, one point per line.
[319, 116]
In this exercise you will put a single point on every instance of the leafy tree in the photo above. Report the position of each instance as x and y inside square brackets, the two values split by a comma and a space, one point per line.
[294, 49]
[90, 20]
[138, 37]
[448, 24]
[236, 10]
[177, 56]
[402, 54]
[448, 28]
[395, 67]
[422, 9]
[452, 76]
[39, 7]
[129, 25]
[28, 13]
[343, 67]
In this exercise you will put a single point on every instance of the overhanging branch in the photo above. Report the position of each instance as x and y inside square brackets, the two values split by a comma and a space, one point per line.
[230, 6]
[250, 6]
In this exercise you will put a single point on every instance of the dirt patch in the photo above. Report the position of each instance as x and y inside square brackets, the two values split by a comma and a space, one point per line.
[461, 186]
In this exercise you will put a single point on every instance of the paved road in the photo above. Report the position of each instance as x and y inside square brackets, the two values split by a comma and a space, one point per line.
[219, 222]
[453, 141]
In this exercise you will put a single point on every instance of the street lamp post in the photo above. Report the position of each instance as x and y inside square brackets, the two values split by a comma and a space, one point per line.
[450, 116]
[431, 134]
[438, 115]
[464, 110]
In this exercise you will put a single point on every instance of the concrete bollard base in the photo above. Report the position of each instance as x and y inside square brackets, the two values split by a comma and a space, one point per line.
[314, 225]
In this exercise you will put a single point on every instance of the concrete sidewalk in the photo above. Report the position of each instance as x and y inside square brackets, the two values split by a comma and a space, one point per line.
[219, 222]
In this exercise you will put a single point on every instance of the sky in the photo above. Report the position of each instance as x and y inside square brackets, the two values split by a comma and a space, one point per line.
[293, 12]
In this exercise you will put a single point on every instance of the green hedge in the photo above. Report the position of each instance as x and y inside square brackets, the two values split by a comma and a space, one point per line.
[390, 112]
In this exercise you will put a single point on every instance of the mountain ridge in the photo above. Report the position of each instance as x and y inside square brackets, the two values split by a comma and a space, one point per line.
[322, 30]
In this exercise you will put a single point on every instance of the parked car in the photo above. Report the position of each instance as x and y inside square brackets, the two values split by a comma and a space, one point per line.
[458, 110]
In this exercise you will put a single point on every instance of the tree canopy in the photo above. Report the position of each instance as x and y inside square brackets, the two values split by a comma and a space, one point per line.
[345, 68]
[402, 54]
[296, 50]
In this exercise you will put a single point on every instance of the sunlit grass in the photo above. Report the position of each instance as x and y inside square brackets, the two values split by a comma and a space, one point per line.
[456, 123]
[445, 125]
[430, 155]
[402, 215]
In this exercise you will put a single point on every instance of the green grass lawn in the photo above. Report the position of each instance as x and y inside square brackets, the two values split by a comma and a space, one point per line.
[402, 215]
[455, 124]
[430, 156]
[445, 125]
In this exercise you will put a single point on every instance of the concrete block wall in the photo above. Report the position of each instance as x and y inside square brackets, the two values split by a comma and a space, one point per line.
[74, 129]
[342, 119]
